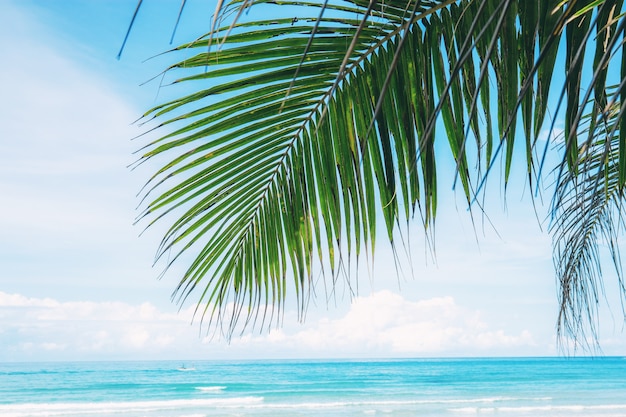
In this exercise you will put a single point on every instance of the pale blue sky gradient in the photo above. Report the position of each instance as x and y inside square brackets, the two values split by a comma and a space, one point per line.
[76, 281]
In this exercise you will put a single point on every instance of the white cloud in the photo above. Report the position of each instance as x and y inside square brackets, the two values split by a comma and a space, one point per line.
[45, 328]
[387, 324]
[18, 300]
[382, 324]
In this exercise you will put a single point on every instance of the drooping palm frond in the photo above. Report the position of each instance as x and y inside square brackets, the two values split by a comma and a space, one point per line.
[588, 216]
[588, 201]
[305, 128]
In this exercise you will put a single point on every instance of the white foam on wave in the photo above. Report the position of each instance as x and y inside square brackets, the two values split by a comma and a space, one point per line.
[572, 408]
[373, 405]
[212, 389]
[192, 406]
[96, 408]
[396, 403]
[491, 400]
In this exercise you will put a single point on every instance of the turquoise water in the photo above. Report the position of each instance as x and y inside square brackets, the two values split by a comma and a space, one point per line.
[433, 387]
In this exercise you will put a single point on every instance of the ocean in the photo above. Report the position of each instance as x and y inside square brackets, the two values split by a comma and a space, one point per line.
[516, 387]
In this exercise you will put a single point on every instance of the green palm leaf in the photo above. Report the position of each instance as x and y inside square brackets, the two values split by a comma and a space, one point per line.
[300, 133]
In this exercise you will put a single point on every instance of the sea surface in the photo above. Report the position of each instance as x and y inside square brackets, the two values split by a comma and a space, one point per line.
[538, 387]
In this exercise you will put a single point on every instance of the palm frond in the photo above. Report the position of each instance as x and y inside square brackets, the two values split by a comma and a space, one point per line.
[303, 129]
[588, 216]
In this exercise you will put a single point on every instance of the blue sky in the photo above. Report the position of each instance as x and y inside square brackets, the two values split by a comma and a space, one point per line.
[77, 282]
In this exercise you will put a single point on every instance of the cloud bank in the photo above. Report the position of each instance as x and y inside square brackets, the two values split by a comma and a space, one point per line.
[382, 324]
[386, 324]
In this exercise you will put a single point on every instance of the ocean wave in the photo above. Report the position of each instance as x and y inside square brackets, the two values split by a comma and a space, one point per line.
[572, 408]
[247, 402]
[392, 403]
[383, 403]
[96, 408]
[194, 407]
[212, 389]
